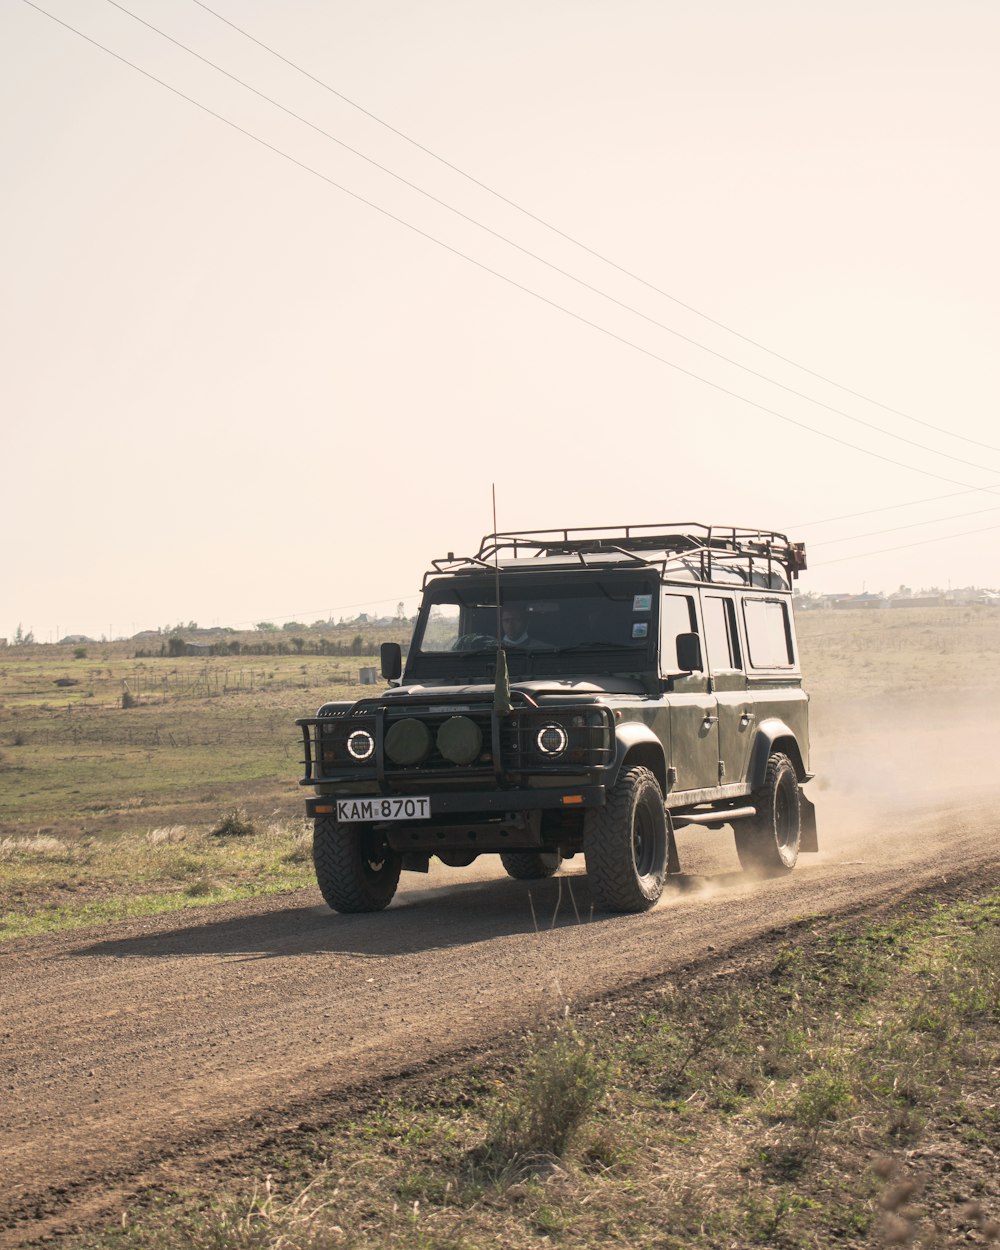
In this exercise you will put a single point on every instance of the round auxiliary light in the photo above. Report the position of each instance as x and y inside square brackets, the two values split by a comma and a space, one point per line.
[361, 745]
[408, 741]
[460, 740]
[552, 739]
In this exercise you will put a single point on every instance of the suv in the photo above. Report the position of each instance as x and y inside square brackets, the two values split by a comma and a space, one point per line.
[568, 691]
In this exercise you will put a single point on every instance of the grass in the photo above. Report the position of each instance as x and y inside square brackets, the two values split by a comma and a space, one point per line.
[49, 883]
[208, 746]
[840, 1091]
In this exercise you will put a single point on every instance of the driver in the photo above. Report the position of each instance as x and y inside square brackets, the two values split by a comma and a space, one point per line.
[514, 620]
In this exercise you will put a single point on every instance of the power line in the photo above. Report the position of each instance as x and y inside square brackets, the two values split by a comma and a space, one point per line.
[923, 542]
[527, 251]
[724, 390]
[894, 529]
[598, 255]
[889, 507]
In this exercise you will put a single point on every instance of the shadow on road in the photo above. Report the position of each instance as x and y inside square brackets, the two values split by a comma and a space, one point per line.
[418, 920]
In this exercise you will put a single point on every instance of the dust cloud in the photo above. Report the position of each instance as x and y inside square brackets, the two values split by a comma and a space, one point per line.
[881, 760]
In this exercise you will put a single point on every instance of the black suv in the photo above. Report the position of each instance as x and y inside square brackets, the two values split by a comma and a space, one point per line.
[570, 691]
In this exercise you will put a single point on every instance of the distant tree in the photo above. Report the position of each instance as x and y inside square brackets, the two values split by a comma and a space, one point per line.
[357, 645]
[292, 625]
[401, 611]
[234, 646]
[18, 635]
[298, 644]
[266, 627]
[176, 645]
[79, 653]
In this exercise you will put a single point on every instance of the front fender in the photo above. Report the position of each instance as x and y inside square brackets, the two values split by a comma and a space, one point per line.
[636, 742]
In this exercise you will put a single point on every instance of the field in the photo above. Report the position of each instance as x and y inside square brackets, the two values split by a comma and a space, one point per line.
[189, 795]
[108, 805]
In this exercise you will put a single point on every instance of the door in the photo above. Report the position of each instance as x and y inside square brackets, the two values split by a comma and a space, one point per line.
[729, 684]
[694, 717]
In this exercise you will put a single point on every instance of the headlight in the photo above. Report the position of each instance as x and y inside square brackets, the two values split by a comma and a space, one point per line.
[361, 745]
[552, 739]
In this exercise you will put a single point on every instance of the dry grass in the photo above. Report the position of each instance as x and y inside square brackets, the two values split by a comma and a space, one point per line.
[51, 883]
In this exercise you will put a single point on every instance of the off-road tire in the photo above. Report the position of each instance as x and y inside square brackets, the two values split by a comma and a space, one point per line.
[768, 843]
[355, 870]
[530, 865]
[625, 844]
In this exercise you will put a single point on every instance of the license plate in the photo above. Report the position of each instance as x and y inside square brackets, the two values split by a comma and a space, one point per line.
[410, 808]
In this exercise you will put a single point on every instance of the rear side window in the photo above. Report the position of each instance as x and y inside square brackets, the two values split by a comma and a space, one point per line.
[721, 633]
[769, 634]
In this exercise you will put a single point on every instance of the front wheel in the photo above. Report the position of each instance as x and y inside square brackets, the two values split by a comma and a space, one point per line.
[625, 844]
[768, 843]
[355, 868]
[530, 865]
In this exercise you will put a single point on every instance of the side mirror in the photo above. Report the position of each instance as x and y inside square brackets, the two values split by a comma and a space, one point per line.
[689, 653]
[392, 660]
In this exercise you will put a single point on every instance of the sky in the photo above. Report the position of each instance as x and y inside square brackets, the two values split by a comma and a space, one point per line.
[248, 375]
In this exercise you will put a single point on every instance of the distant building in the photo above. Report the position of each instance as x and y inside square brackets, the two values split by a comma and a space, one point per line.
[867, 600]
[918, 601]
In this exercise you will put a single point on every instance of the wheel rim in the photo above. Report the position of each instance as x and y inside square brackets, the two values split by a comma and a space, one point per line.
[786, 826]
[644, 842]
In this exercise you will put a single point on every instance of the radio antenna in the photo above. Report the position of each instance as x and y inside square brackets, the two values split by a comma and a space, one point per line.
[496, 561]
[501, 689]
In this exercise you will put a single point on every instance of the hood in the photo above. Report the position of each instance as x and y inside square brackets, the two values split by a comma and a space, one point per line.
[538, 689]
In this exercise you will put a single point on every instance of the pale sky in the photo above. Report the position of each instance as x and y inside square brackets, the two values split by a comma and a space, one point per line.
[231, 392]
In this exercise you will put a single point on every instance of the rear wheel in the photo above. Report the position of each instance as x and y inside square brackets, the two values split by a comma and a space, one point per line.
[355, 868]
[530, 865]
[625, 844]
[768, 843]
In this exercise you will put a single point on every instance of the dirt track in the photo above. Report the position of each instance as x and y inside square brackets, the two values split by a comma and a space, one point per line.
[129, 1054]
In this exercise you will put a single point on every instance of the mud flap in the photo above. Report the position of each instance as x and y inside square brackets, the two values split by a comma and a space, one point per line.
[808, 840]
[416, 861]
[673, 861]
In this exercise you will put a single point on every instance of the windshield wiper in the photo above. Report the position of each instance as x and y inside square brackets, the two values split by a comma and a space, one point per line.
[601, 646]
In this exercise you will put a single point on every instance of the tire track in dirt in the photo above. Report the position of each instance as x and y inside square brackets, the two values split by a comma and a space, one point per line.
[127, 1048]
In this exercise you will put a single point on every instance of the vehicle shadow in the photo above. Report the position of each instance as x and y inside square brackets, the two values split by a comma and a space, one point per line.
[418, 920]
[438, 917]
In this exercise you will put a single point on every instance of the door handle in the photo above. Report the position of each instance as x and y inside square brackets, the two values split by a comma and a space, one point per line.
[710, 720]
[747, 717]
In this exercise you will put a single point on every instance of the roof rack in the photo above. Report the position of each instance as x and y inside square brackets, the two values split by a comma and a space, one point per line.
[752, 550]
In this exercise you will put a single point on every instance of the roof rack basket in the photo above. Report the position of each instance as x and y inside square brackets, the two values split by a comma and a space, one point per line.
[696, 541]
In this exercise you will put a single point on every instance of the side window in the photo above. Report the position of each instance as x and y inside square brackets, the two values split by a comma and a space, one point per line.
[721, 634]
[769, 634]
[677, 616]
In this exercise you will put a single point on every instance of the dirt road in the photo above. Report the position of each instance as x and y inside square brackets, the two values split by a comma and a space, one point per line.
[130, 1052]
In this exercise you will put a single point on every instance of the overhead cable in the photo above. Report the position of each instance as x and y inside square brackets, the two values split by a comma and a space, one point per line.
[894, 529]
[923, 542]
[598, 255]
[534, 255]
[724, 390]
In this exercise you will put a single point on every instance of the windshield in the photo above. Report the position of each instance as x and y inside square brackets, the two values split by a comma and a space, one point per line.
[547, 623]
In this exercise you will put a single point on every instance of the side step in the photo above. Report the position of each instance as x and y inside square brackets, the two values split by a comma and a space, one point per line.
[722, 817]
